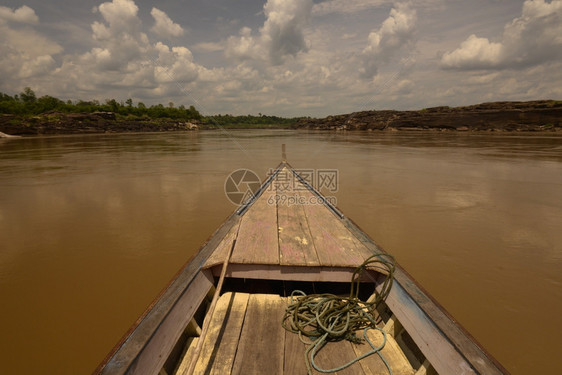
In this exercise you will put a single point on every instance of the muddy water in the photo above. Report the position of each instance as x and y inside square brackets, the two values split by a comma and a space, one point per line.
[93, 227]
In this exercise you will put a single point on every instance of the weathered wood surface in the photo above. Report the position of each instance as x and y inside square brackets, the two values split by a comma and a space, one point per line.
[295, 241]
[246, 337]
[159, 346]
[294, 362]
[336, 354]
[219, 348]
[295, 273]
[373, 364]
[262, 342]
[335, 244]
[463, 343]
[219, 255]
[432, 342]
[257, 240]
[277, 229]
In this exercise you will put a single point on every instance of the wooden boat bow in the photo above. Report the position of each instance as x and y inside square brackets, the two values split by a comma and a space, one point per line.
[274, 247]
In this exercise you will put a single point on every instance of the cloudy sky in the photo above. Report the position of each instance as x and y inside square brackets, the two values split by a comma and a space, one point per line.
[284, 57]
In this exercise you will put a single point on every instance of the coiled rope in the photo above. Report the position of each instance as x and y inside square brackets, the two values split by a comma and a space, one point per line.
[321, 318]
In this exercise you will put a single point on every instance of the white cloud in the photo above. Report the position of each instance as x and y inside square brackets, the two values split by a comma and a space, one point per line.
[25, 52]
[476, 53]
[163, 25]
[244, 46]
[121, 16]
[282, 34]
[395, 34]
[124, 59]
[208, 46]
[532, 38]
[23, 14]
[283, 29]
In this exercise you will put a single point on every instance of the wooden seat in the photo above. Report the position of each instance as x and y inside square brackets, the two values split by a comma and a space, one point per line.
[246, 337]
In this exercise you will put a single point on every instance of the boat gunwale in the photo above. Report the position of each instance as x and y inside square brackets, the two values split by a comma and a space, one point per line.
[165, 301]
[450, 328]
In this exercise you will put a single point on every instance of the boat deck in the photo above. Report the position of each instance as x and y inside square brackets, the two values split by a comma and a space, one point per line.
[287, 227]
[246, 337]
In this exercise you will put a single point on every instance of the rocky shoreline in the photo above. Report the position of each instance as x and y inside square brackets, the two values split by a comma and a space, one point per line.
[531, 116]
[87, 123]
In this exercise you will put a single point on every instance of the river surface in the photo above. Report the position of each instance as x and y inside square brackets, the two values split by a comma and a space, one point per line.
[93, 227]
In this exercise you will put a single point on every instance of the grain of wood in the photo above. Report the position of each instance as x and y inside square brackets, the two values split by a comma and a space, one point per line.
[294, 362]
[222, 249]
[295, 241]
[262, 342]
[334, 242]
[373, 364]
[219, 348]
[336, 354]
[257, 241]
[161, 343]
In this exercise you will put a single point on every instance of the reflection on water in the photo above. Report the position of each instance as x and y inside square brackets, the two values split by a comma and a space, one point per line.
[94, 226]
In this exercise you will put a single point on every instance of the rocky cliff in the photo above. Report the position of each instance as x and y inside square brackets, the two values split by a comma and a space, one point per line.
[85, 123]
[540, 115]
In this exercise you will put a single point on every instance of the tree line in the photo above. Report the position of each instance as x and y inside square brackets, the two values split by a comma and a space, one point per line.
[260, 119]
[27, 103]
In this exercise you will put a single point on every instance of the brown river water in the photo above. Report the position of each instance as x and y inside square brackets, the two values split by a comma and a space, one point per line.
[93, 227]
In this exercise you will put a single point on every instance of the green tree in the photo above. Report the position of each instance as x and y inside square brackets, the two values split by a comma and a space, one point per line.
[48, 103]
[28, 96]
[113, 105]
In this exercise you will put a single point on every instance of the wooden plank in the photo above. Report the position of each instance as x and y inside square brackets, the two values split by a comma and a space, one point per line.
[373, 364]
[294, 273]
[228, 343]
[434, 345]
[219, 347]
[336, 354]
[159, 346]
[131, 345]
[463, 342]
[294, 362]
[184, 362]
[257, 240]
[218, 256]
[334, 244]
[312, 197]
[210, 314]
[262, 341]
[295, 241]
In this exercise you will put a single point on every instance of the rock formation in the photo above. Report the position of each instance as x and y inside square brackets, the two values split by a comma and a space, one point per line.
[86, 123]
[541, 115]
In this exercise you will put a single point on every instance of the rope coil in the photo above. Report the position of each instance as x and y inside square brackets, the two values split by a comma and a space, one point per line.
[321, 318]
